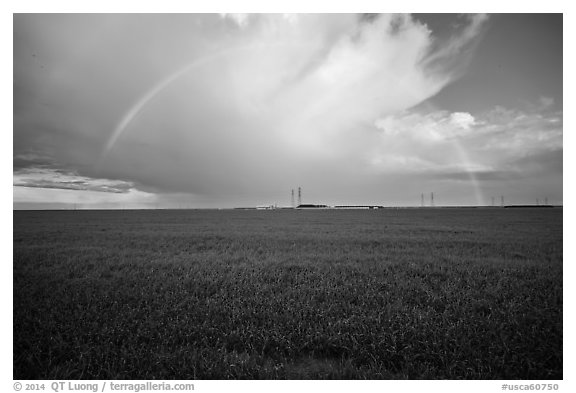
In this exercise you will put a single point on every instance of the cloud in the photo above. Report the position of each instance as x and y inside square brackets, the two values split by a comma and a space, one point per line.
[462, 119]
[432, 127]
[50, 178]
[497, 144]
[237, 106]
[459, 47]
[58, 198]
[546, 102]
[240, 19]
[297, 90]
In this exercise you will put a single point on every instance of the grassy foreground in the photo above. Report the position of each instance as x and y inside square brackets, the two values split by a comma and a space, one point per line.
[407, 293]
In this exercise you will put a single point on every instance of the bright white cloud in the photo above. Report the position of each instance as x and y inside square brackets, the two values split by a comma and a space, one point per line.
[462, 119]
[436, 127]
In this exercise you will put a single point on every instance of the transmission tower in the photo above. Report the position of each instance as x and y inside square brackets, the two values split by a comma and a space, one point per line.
[292, 198]
[299, 196]
[431, 199]
[422, 200]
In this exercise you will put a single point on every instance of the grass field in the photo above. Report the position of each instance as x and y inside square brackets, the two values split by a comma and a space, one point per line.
[406, 293]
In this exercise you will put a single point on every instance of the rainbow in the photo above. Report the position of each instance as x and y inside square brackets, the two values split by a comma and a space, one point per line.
[464, 158]
[144, 100]
[139, 106]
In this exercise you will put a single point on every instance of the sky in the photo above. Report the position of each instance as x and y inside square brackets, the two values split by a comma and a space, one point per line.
[230, 110]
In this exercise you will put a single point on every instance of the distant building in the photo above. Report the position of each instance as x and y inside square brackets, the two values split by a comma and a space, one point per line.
[358, 207]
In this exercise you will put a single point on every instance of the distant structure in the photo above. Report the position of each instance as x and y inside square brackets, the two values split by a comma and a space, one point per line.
[299, 196]
[292, 198]
[269, 207]
[431, 199]
[312, 206]
[502, 200]
[353, 207]
[422, 200]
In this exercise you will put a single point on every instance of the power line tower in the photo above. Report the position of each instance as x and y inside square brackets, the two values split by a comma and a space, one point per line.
[422, 200]
[292, 198]
[299, 196]
[431, 199]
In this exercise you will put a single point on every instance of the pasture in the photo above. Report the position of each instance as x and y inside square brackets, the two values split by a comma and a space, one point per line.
[208, 294]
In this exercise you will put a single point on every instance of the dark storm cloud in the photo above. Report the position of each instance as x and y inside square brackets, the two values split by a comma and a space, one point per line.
[58, 179]
[72, 185]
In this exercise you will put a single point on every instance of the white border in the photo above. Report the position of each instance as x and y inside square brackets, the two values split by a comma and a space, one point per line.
[164, 6]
